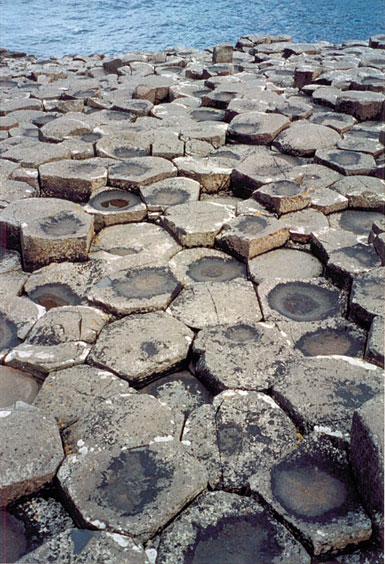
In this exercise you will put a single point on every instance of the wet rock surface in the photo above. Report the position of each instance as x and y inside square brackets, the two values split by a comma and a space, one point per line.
[173, 334]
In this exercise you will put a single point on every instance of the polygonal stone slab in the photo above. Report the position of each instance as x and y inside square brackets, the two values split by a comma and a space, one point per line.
[361, 105]
[358, 222]
[32, 452]
[283, 196]
[196, 223]
[124, 145]
[248, 236]
[205, 304]
[362, 191]
[64, 127]
[339, 122]
[283, 263]
[300, 300]
[139, 347]
[315, 176]
[363, 142]
[134, 491]
[170, 192]
[36, 154]
[301, 224]
[226, 524]
[241, 356]
[138, 290]
[205, 265]
[56, 238]
[211, 175]
[109, 207]
[16, 385]
[17, 315]
[304, 139]
[346, 162]
[12, 190]
[327, 201]
[133, 173]
[72, 180]
[322, 393]
[367, 296]
[257, 128]
[375, 345]
[348, 262]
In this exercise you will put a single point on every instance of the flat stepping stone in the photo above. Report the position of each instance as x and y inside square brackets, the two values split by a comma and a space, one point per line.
[18, 315]
[346, 263]
[298, 300]
[317, 177]
[196, 224]
[257, 128]
[68, 394]
[375, 345]
[72, 180]
[261, 102]
[211, 175]
[363, 142]
[109, 207]
[16, 385]
[32, 156]
[366, 297]
[295, 109]
[326, 96]
[205, 265]
[328, 201]
[135, 172]
[240, 356]
[340, 122]
[304, 139]
[361, 105]
[248, 236]
[13, 190]
[283, 196]
[124, 146]
[358, 222]
[135, 491]
[121, 102]
[64, 127]
[139, 290]
[139, 347]
[346, 162]
[19, 104]
[364, 192]
[283, 263]
[154, 88]
[207, 114]
[301, 224]
[31, 459]
[205, 304]
[214, 133]
[170, 192]
[339, 385]
[313, 492]
[225, 524]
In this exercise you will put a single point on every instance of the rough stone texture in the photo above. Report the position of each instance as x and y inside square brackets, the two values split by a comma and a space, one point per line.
[16, 385]
[12, 190]
[361, 105]
[31, 458]
[348, 262]
[283, 263]
[212, 176]
[283, 196]
[257, 128]
[346, 162]
[362, 191]
[17, 315]
[301, 224]
[375, 345]
[170, 192]
[366, 298]
[305, 139]
[109, 207]
[32, 156]
[135, 172]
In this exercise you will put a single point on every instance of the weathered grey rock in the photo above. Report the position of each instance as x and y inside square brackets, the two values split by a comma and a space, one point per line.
[249, 236]
[212, 176]
[226, 525]
[12, 283]
[134, 491]
[109, 207]
[10, 261]
[328, 240]
[300, 300]
[362, 191]
[315, 176]
[363, 142]
[12, 190]
[328, 201]
[18, 315]
[346, 162]
[69, 125]
[283, 263]
[170, 192]
[205, 265]
[340, 122]
[375, 345]
[236, 356]
[257, 128]
[303, 223]
[32, 156]
[223, 53]
[139, 347]
[19, 104]
[196, 223]
[283, 196]
[124, 145]
[16, 385]
[348, 262]
[367, 458]
[56, 238]
[32, 457]
[313, 491]
[326, 96]
[153, 88]
[14, 542]
[304, 139]
[135, 172]
[361, 105]
[207, 304]
[366, 297]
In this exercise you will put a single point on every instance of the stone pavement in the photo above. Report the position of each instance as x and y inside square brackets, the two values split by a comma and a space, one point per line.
[191, 305]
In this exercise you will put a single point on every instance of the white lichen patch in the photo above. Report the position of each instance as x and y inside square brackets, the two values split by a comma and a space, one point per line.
[98, 524]
[151, 554]
[119, 539]
[267, 399]
[165, 439]
[328, 431]
[5, 413]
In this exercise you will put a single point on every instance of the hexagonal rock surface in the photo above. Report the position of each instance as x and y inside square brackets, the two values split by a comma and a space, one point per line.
[355, 221]
[375, 345]
[348, 262]
[181, 391]
[32, 156]
[135, 491]
[303, 223]
[248, 236]
[313, 491]
[170, 192]
[362, 191]
[124, 420]
[257, 128]
[12, 190]
[228, 526]
[361, 105]
[303, 139]
[196, 224]
[338, 386]
[138, 290]
[367, 296]
[346, 162]
[367, 458]
[31, 453]
[109, 207]
[339, 122]
[132, 173]
[17, 315]
[242, 356]
[212, 176]
[300, 300]
[283, 196]
[63, 128]
[123, 146]
[139, 347]
[72, 180]
[315, 176]
[83, 545]
[205, 265]
[64, 236]
[283, 263]
[16, 385]
[205, 304]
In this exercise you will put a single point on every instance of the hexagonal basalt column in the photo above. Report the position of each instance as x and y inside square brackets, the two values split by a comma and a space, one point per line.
[124, 146]
[64, 236]
[367, 296]
[257, 128]
[133, 173]
[283, 263]
[211, 175]
[346, 162]
[133, 492]
[303, 139]
[205, 265]
[170, 192]
[283, 196]
[362, 191]
[249, 236]
[109, 207]
[361, 105]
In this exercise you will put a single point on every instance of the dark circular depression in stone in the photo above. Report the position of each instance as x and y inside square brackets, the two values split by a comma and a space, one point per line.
[325, 342]
[252, 225]
[359, 222]
[167, 197]
[145, 283]
[114, 200]
[54, 295]
[242, 333]
[61, 225]
[216, 269]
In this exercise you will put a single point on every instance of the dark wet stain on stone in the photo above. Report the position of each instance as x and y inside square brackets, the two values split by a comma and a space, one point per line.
[216, 269]
[54, 295]
[244, 128]
[91, 137]
[80, 538]
[242, 333]
[130, 152]
[61, 225]
[114, 200]
[345, 158]
[123, 251]
[205, 114]
[167, 197]
[359, 222]
[362, 255]
[303, 302]
[132, 481]
[331, 341]
[252, 225]
[115, 115]
[129, 169]
[8, 333]
[285, 188]
[145, 283]
[150, 349]
[230, 438]
[13, 539]
[354, 395]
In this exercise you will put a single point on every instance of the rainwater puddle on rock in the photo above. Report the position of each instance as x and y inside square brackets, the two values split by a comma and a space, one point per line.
[80, 539]
[144, 283]
[361, 255]
[204, 115]
[216, 269]
[345, 158]
[114, 200]
[115, 115]
[167, 197]
[303, 302]
[132, 481]
[359, 222]
[242, 334]
[54, 295]
[61, 225]
[123, 251]
[130, 169]
[250, 225]
[326, 342]
[8, 333]
[13, 541]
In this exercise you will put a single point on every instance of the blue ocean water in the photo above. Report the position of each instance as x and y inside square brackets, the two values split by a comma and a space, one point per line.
[49, 27]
